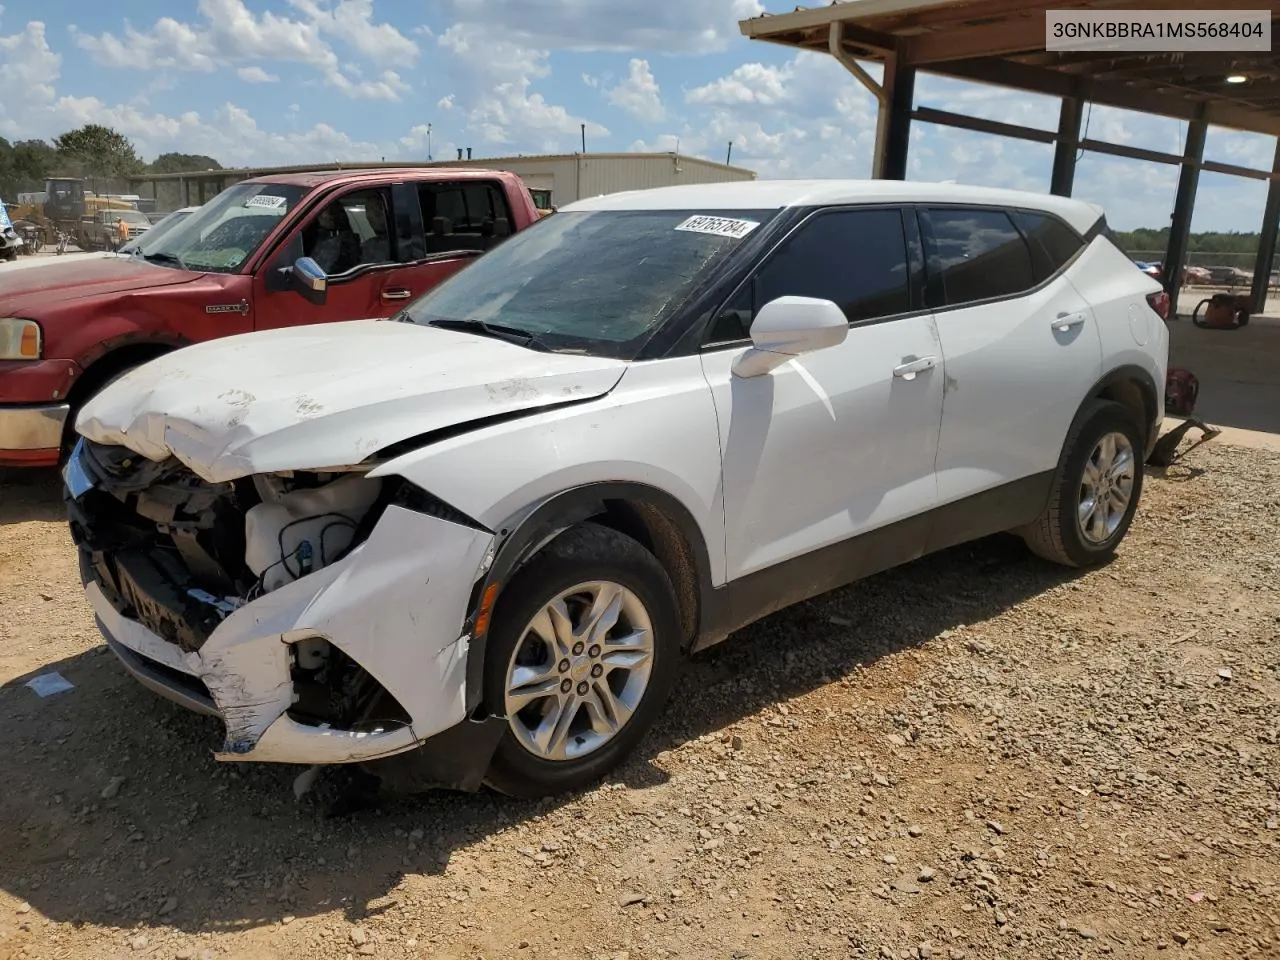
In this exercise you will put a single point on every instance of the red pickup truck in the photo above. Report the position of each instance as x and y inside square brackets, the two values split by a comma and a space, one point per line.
[244, 261]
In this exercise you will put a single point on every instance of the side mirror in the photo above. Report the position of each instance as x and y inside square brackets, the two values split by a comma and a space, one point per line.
[308, 278]
[789, 327]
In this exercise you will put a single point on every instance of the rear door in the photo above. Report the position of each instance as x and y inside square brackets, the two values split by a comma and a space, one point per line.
[461, 220]
[1021, 344]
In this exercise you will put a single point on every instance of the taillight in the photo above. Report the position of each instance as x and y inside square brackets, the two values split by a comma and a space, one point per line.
[1159, 302]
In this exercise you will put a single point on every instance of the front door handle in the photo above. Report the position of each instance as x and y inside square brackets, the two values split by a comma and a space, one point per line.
[396, 293]
[908, 370]
[1064, 322]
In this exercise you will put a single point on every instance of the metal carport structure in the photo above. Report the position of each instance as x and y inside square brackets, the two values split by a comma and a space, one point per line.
[1002, 42]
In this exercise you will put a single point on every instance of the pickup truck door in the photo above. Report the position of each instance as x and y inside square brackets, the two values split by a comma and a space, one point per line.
[377, 262]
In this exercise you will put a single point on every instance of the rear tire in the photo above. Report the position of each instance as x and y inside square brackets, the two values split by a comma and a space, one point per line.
[578, 702]
[1095, 490]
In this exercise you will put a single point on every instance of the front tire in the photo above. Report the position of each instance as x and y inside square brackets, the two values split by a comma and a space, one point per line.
[1095, 491]
[583, 653]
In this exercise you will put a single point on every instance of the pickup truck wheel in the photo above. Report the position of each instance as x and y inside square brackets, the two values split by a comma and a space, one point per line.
[583, 653]
[1095, 491]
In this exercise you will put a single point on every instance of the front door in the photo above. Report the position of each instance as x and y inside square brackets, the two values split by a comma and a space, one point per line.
[362, 240]
[1022, 348]
[840, 443]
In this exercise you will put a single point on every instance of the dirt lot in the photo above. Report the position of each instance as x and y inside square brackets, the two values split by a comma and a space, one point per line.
[977, 756]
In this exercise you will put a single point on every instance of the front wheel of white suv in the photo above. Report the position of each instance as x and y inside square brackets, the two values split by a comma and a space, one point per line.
[583, 653]
[1095, 490]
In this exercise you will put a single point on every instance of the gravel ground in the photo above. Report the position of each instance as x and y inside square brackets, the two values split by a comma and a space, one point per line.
[976, 756]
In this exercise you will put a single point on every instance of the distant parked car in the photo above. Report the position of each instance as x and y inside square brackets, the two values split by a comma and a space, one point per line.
[1197, 275]
[1150, 269]
[1230, 276]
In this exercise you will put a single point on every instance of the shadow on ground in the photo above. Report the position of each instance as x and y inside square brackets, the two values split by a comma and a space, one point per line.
[30, 495]
[1239, 372]
[237, 850]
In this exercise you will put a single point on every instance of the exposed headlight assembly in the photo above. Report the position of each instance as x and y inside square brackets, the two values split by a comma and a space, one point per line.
[20, 339]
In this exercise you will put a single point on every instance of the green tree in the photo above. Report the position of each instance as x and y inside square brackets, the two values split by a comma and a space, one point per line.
[24, 166]
[182, 163]
[98, 151]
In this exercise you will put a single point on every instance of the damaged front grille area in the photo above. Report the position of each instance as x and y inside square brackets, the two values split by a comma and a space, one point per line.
[165, 547]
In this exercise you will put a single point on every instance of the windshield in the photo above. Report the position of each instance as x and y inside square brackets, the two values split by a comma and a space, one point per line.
[225, 232]
[593, 281]
[164, 225]
[128, 216]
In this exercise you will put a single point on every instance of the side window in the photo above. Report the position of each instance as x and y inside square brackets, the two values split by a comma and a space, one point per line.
[1052, 242]
[975, 255]
[350, 231]
[465, 215]
[856, 258]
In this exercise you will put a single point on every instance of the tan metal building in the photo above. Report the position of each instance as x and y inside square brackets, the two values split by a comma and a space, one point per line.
[561, 179]
[553, 180]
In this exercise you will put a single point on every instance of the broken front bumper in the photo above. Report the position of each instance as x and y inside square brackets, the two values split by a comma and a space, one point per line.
[395, 606]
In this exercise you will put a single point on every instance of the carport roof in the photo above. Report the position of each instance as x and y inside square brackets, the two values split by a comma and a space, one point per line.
[1003, 42]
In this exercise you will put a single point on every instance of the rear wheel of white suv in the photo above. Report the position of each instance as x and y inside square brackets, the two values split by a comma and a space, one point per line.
[1095, 490]
[583, 653]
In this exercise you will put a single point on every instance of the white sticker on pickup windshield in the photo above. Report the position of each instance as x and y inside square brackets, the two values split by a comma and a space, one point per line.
[265, 200]
[719, 226]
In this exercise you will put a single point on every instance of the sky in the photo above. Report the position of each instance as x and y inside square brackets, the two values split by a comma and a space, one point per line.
[308, 81]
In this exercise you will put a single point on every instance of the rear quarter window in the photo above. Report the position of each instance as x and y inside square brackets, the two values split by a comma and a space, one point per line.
[1052, 243]
[974, 255]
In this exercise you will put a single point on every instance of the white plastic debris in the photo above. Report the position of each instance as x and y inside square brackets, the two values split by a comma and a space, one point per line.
[48, 684]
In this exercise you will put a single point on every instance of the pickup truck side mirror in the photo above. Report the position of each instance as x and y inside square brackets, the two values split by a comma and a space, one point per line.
[308, 278]
[789, 327]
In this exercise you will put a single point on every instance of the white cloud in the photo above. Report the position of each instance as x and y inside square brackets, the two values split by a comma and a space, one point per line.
[749, 83]
[256, 74]
[28, 66]
[620, 25]
[352, 21]
[229, 33]
[639, 94]
[495, 94]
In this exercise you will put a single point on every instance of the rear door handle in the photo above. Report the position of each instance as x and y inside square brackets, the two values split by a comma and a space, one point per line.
[908, 370]
[1066, 321]
[396, 293]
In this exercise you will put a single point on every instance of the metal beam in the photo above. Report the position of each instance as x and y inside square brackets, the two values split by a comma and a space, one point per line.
[1064, 151]
[1023, 35]
[1183, 207]
[835, 44]
[900, 91]
[1132, 153]
[1054, 83]
[979, 125]
[1267, 241]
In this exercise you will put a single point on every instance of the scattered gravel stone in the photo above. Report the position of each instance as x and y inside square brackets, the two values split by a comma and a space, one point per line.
[112, 789]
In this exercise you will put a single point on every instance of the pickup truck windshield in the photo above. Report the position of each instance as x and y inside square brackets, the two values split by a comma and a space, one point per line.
[600, 282]
[224, 233]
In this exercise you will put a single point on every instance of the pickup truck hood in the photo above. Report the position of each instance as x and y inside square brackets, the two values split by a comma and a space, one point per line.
[25, 291]
[327, 395]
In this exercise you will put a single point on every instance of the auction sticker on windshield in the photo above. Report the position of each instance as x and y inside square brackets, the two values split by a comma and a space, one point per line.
[265, 200]
[719, 226]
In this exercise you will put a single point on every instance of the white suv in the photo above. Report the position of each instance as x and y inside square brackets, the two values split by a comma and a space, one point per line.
[472, 544]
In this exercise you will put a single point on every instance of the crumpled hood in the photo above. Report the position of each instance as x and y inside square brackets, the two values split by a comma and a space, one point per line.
[27, 292]
[326, 395]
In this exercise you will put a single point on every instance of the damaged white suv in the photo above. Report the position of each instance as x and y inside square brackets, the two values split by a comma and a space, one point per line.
[472, 544]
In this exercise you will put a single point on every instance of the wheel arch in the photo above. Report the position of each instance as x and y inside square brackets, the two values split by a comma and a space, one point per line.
[657, 520]
[1134, 389]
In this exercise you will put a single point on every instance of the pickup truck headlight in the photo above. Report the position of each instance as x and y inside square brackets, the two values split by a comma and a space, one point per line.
[20, 339]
